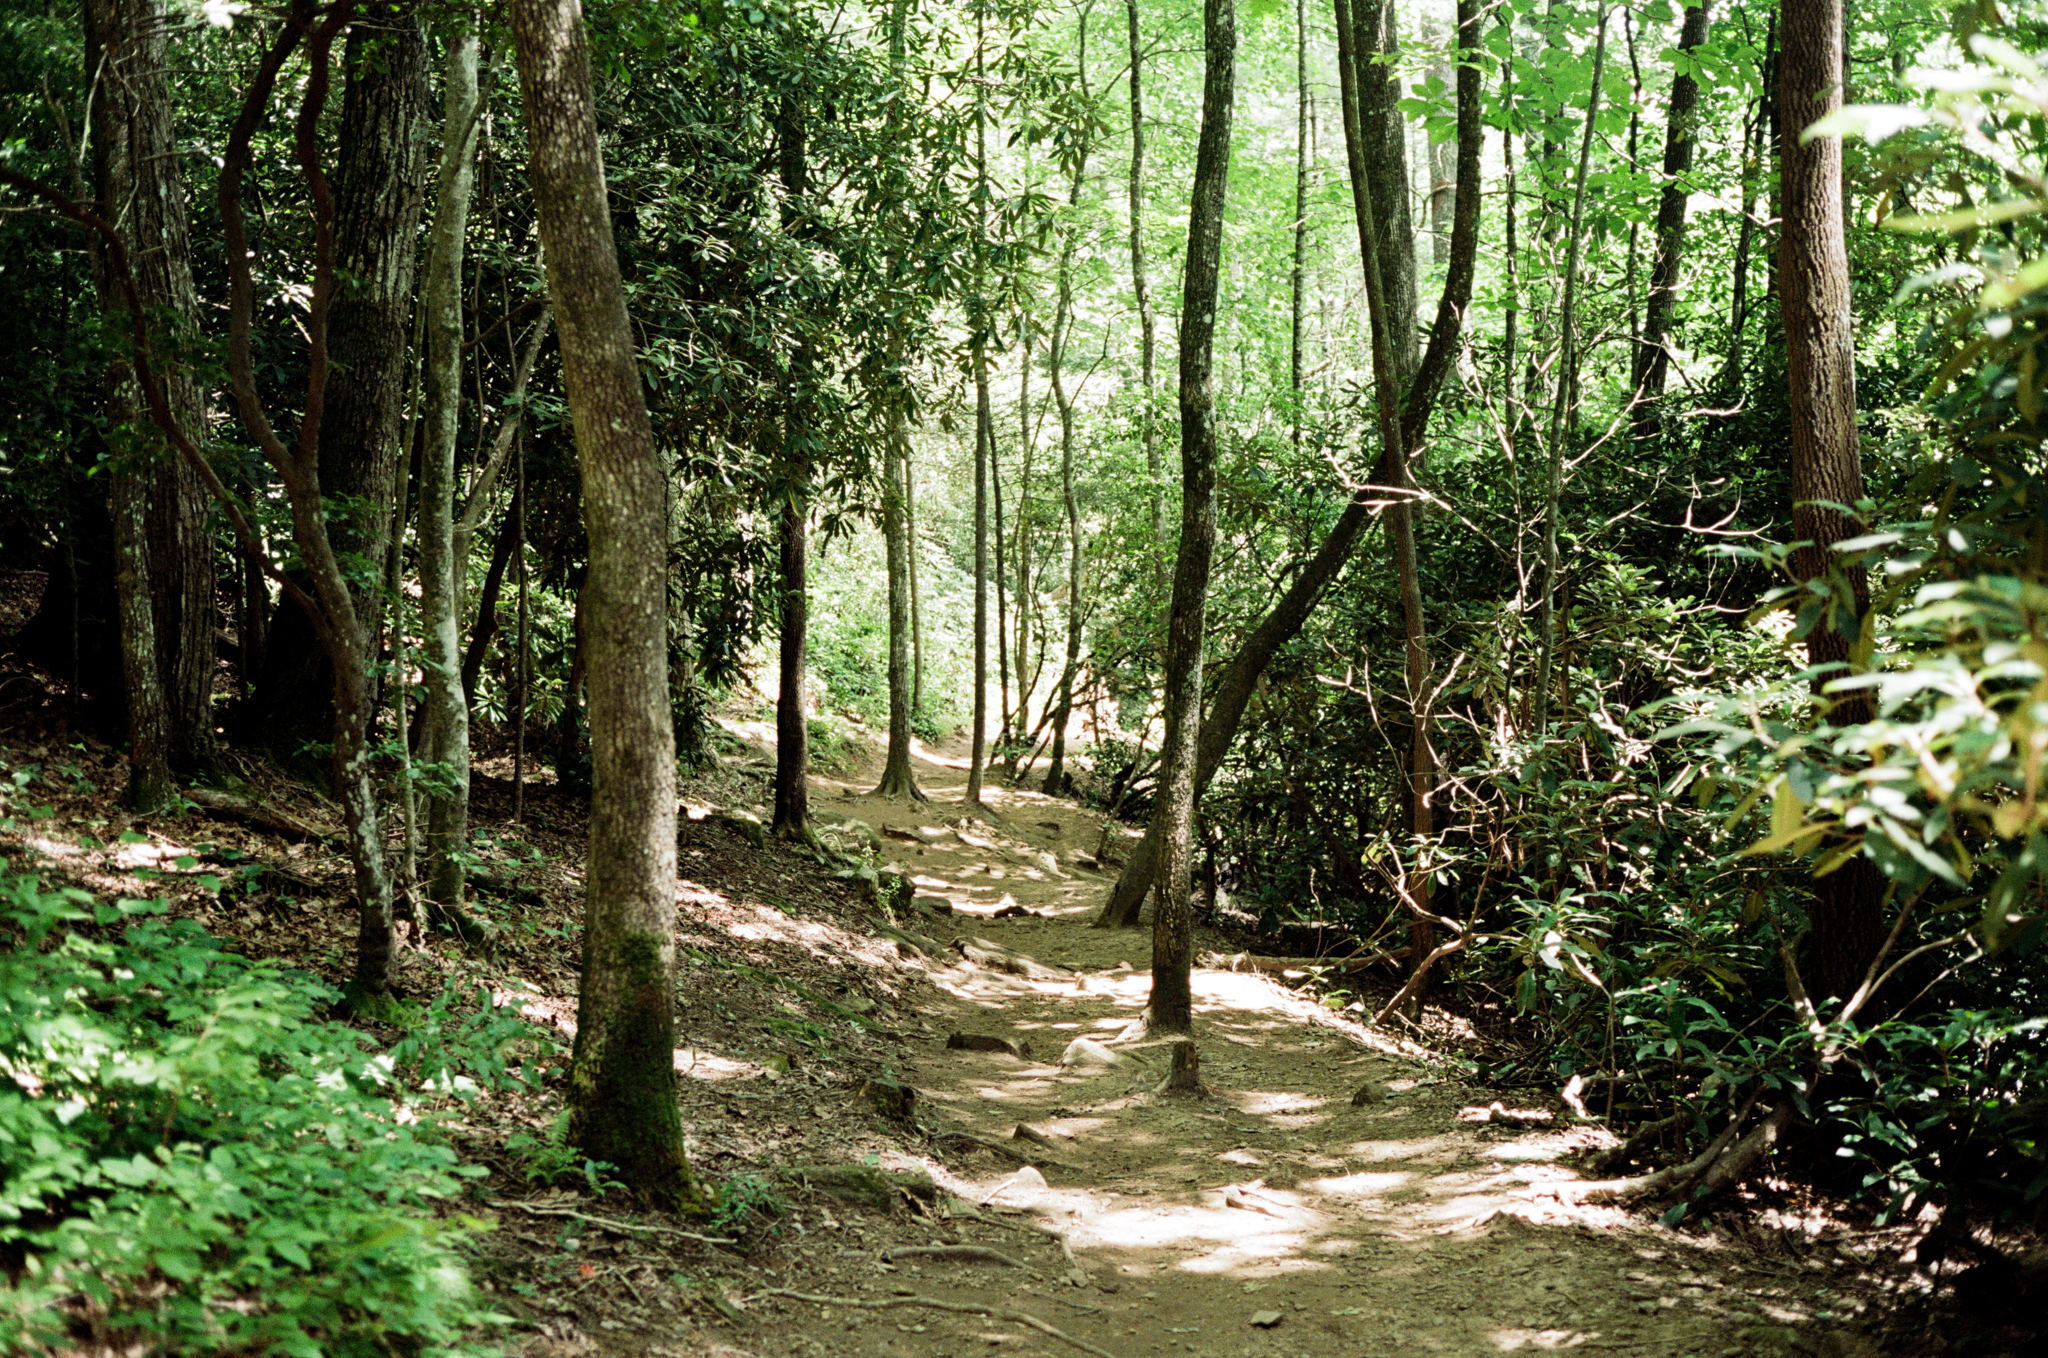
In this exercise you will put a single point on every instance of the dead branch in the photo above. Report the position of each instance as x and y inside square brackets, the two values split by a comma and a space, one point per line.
[965, 1308]
[622, 1227]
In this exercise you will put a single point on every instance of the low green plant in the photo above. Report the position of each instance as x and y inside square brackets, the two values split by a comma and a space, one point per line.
[191, 1161]
[549, 1161]
[749, 1208]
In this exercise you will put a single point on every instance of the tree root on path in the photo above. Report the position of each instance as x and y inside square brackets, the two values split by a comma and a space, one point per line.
[1724, 1163]
[965, 1308]
[972, 1253]
[607, 1223]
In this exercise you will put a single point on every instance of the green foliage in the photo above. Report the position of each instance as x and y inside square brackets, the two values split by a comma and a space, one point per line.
[550, 1161]
[749, 1208]
[192, 1159]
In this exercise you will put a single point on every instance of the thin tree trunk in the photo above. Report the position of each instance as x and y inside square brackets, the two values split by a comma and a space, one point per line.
[792, 731]
[1567, 362]
[898, 781]
[984, 425]
[1653, 354]
[447, 715]
[622, 1085]
[1820, 371]
[1141, 285]
[1007, 730]
[1056, 778]
[1297, 358]
[1383, 254]
[1172, 925]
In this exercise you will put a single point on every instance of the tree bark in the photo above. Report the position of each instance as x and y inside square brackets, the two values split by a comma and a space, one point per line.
[441, 569]
[1298, 280]
[1820, 370]
[1056, 778]
[1172, 924]
[138, 189]
[379, 195]
[622, 1090]
[1653, 355]
[1384, 130]
[143, 191]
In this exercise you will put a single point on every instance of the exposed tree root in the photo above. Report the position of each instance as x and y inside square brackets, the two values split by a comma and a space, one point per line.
[965, 1308]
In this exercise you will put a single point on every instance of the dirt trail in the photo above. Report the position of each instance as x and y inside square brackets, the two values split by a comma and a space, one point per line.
[1275, 1216]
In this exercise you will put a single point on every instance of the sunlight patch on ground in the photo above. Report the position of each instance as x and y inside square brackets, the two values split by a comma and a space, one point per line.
[1540, 1341]
[698, 1064]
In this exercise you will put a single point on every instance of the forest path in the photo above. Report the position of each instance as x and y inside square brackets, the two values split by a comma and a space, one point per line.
[1273, 1216]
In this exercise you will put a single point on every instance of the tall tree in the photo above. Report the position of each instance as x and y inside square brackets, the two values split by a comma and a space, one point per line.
[1141, 285]
[441, 569]
[1172, 921]
[1820, 371]
[793, 464]
[138, 190]
[622, 1090]
[1652, 365]
[898, 781]
[984, 419]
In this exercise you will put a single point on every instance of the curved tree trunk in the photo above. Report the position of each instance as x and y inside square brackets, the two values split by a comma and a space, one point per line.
[1172, 923]
[622, 1084]
[1234, 689]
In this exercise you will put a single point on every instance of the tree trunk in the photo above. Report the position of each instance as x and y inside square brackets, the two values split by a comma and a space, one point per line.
[1384, 129]
[441, 570]
[1820, 370]
[1056, 778]
[1653, 356]
[1385, 256]
[792, 731]
[1281, 623]
[140, 191]
[379, 194]
[1172, 922]
[622, 1087]
[984, 424]
[1567, 365]
[898, 781]
[1298, 280]
[1141, 285]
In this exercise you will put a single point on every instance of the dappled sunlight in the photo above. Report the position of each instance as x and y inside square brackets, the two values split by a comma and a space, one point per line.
[1540, 1341]
[696, 1064]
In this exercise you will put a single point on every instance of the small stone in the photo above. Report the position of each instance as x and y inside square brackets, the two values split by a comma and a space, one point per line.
[1265, 1320]
[1086, 1052]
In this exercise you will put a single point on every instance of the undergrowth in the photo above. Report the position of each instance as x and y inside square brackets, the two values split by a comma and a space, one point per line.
[192, 1160]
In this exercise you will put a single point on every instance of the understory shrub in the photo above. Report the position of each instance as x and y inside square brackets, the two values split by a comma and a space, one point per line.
[192, 1161]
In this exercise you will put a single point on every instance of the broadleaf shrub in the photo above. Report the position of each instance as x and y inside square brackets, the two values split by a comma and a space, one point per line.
[191, 1161]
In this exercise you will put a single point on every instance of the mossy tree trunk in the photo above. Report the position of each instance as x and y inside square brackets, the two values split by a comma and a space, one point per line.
[447, 742]
[622, 1092]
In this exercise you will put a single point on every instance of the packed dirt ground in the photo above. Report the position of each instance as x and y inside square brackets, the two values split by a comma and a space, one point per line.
[941, 1132]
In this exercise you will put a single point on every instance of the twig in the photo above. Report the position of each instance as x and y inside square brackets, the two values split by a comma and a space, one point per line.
[964, 1308]
[624, 1227]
